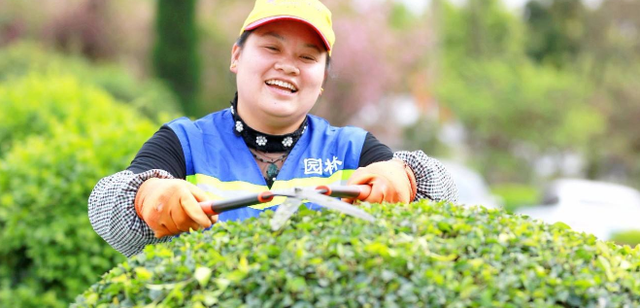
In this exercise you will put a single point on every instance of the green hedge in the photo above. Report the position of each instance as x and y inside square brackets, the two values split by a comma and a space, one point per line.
[150, 97]
[63, 136]
[516, 196]
[420, 255]
[38, 103]
[631, 238]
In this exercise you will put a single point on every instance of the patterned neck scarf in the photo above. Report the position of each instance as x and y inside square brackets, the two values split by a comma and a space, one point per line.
[261, 141]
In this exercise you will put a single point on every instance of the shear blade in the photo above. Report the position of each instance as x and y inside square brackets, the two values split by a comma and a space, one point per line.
[338, 205]
[284, 212]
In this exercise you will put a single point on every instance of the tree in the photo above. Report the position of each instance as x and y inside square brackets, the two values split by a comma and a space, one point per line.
[379, 45]
[515, 110]
[612, 51]
[556, 30]
[175, 55]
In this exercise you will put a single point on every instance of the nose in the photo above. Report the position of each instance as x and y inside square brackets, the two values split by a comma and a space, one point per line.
[287, 67]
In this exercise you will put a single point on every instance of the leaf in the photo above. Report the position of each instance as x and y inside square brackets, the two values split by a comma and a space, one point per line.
[202, 275]
[296, 284]
[606, 267]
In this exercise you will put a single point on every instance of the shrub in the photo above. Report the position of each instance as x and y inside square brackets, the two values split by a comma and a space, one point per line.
[631, 238]
[36, 103]
[516, 195]
[150, 97]
[419, 255]
[71, 135]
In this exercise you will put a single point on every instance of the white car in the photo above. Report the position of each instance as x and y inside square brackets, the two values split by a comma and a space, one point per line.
[472, 188]
[599, 208]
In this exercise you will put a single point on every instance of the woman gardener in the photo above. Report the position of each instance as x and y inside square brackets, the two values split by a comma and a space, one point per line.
[265, 140]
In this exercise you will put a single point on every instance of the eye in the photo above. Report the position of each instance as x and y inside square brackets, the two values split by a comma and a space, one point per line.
[308, 58]
[271, 48]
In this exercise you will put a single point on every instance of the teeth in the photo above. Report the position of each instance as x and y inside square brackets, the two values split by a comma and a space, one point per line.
[281, 83]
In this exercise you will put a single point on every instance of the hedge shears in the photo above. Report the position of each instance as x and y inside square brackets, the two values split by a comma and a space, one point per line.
[321, 195]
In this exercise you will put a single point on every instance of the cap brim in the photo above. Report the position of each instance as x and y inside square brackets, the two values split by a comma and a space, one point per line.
[267, 20]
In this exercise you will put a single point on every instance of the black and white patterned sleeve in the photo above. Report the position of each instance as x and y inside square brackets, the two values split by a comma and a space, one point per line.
[112, 213]
[432, 179]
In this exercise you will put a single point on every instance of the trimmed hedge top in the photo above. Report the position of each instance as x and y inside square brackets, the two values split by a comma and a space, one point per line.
[417, 255]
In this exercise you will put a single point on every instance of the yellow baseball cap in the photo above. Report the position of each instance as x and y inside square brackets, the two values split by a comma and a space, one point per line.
[311, 12]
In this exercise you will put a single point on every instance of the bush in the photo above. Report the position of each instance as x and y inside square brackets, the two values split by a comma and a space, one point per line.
[516, 195]
[64, 137]
[149, 97]
[419, 255]
[35, 104]
[631, 238]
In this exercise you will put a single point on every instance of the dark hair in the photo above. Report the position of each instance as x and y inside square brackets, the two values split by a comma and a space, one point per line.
[243, 38]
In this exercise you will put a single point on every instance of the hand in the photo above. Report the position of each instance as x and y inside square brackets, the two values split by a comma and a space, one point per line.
[391, 181]
[170, 206]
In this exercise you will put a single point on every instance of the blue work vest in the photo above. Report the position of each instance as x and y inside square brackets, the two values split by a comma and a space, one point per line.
[219, 161]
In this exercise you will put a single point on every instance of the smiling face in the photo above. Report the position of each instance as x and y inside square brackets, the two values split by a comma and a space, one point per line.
[279, 73]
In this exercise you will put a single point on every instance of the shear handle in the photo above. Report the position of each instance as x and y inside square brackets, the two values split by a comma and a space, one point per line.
[347, 191]
[215, 207]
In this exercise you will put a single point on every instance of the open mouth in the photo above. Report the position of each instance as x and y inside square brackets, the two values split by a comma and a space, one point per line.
[283, 85]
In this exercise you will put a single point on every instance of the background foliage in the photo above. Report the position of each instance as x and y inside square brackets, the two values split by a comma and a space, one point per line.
[148, 96]
[175, 54]
[569, 69]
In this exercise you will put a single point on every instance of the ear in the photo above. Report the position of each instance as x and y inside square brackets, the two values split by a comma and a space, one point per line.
[326, 77]
[235, 56]
[326, 72]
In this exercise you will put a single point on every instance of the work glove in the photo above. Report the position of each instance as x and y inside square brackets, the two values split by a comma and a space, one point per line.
[391, 181]
[170, 206]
